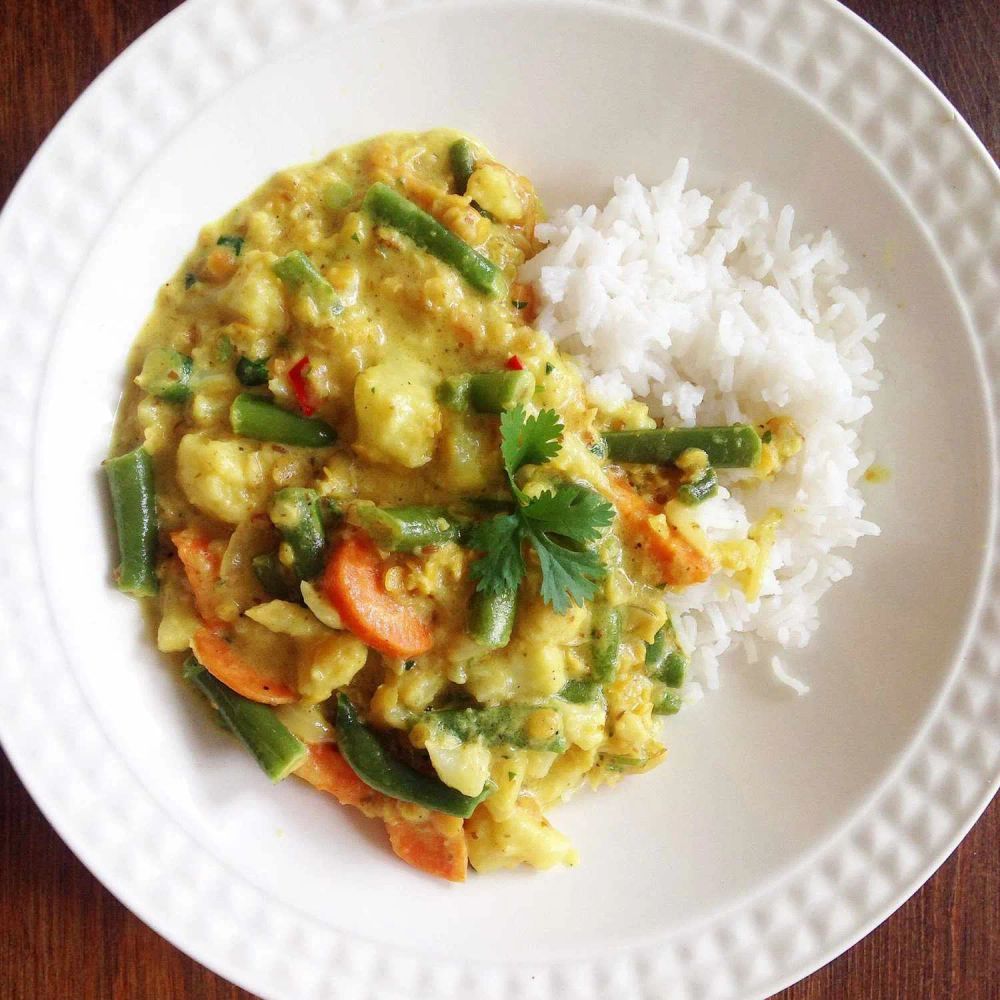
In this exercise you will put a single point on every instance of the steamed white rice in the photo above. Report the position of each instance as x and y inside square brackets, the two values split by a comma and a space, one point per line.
[711, 311]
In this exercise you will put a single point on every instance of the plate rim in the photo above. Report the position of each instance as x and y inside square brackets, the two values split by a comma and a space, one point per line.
[642, 974]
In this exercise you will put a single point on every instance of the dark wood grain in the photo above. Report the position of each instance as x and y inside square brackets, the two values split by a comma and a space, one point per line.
[63, 936]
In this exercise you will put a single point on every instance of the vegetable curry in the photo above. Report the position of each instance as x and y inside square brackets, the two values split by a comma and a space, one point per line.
[404, 556]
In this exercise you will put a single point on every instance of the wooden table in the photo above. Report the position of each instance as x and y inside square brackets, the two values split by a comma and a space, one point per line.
[64, 937]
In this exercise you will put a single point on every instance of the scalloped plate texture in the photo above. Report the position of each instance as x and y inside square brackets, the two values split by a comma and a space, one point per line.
[781, 829]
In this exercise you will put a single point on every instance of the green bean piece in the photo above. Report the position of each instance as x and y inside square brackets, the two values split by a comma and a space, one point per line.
[378, 769]
[263, 420]
[581, 692]
[599, 448]
[463, 161]
[486, 392]
[465, 526]
[605, 642]
[275, 577]
[256, 726]
[297, 271]
[669, 704]
[494, 392]
[390, 208]
[664, 662]
[295, 513]
[404, 529]
[734, 447]
[337, 195]
[491, 617]
[251, 372]
[133, 500]
[330, 512]
[235, 243]
[672, 670]
[656, 651]
[167, 374]
[699, 490]
[453, 393]
[501, 725]
[491, 505]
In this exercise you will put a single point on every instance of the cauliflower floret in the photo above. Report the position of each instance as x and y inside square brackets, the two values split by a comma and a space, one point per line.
[227, 479]
[497, 190]
[522, 671]
[329, 663]
[507, 772]
[232, 480]
[564, 777]
[156, 418]
[254, 294]
[263, 228]
[583, 725]
[398, 418]
[525, 837]
[538, 618]
[463, 766]
[288, 619]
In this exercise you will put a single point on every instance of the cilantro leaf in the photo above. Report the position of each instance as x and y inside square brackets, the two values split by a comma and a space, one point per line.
[502, 566]
[573, 511]
[528, 440]
[568, 576]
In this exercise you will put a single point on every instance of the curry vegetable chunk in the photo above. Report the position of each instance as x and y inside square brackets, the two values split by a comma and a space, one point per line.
[408, 559]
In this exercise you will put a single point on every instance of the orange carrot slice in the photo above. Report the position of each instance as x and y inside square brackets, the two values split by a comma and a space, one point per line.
[436, 846]
[225, 664]
[326, 769]
[202, 559]
[679, 562]
[220, 265]
[352, 583]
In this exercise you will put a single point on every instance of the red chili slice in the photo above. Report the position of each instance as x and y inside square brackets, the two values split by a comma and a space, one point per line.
[297, 380]
[514, 364]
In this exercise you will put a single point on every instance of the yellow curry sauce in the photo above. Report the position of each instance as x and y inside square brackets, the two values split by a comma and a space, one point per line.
[387, 628]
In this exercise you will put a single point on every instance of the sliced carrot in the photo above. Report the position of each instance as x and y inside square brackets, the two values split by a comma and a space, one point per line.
[352, 583]
[202, 561]
[225, 664]
[679, 562]
[422, 192]
[218, 266]
[436, 846]
[326, 769]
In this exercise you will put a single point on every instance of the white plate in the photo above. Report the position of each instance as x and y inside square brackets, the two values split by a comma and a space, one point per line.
[781, 829]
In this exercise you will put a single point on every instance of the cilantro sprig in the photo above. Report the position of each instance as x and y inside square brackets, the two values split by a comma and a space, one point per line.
[528, 440]
[556, 524]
